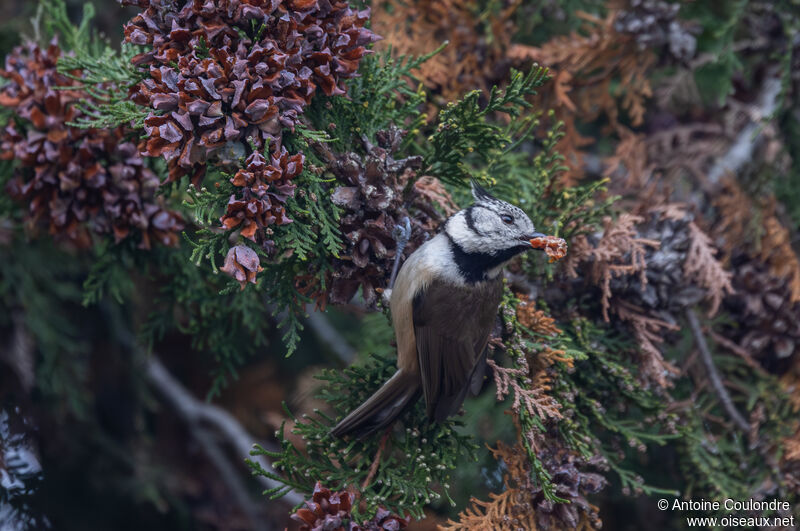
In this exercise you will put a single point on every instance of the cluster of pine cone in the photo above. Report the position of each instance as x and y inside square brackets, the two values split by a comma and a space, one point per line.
[330, 511]
[655, 24]
[264, 185]
[371, 190]
[572, 482]
[74, 180]
[666, 291]
[766, 322]
[225, 72]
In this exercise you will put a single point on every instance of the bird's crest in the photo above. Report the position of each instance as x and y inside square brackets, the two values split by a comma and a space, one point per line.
[480, 194]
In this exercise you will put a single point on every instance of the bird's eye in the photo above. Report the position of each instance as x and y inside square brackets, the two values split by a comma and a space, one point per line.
[508, 220]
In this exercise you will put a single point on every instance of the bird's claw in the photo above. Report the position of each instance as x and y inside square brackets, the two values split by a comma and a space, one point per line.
[402, 233]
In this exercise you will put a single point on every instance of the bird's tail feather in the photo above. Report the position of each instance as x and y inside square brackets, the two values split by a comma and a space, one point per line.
[380, 409]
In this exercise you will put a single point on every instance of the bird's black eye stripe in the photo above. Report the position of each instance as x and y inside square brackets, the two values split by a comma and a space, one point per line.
[507, 219]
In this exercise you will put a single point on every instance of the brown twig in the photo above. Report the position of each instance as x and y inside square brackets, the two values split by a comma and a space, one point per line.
[198, 413]
[534, 398]
[373, 468]
[200, 417]
[713, 373]
[736, 349]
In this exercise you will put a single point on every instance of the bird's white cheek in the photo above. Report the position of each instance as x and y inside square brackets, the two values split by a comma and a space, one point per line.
[438, 260]
[464, 236]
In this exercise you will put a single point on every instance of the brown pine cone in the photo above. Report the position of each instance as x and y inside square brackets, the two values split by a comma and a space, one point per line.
[571, 482]
[74, 180]
[265, 185]
[242, 264]
[224, 71]
[666, 289]
[330, 511]
[371, 194]
[767, 323]
[655, 24]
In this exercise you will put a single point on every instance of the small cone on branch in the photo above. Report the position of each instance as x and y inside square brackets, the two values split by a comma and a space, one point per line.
[225, 73]
[661, 263]
[649, 271]
[665, 288]
[523, 504]
[571, 482]
[655, 24]
[242, 264]
[264, 186]
[370, 191]
[330, 511]
[74, 181]
[767, 321]
[641, 261]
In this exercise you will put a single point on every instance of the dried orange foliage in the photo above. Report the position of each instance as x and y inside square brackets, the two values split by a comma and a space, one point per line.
[595, 72]
[791, 445]
[495, 514]
[509, 510]
[792, 448]
[669, 154]
[534, 319]
[432, 189]
[689, 148]
[737, 211]
[791, 384]
[476, 54]
[540, 323]
[619, 240]
[620, 252]
[579, 252]
[702, 267]
[649, 332]
[630, 159]
[777, 252]
[532, 397]
[735, 216]
[521, 505]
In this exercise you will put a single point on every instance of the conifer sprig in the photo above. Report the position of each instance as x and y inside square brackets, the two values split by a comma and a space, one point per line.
[385, 94]
[402, 469]
[105, 75]
[465, 136]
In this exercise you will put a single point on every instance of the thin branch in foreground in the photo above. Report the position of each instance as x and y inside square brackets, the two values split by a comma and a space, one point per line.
[713, 373]
[736, 349]
[373, 469]
[198, 413]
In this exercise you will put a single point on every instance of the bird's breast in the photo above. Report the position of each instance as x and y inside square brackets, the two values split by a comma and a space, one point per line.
[432, 266]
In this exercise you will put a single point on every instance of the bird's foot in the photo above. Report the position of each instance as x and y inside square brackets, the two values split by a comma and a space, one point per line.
[401, 234]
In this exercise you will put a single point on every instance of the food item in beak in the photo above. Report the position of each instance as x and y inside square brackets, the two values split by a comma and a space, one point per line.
[556, 248]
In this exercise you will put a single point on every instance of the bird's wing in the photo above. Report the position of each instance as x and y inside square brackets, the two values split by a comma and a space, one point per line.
[452, 326]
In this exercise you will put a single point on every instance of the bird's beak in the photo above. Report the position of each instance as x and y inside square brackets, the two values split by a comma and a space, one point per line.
[534, 236]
